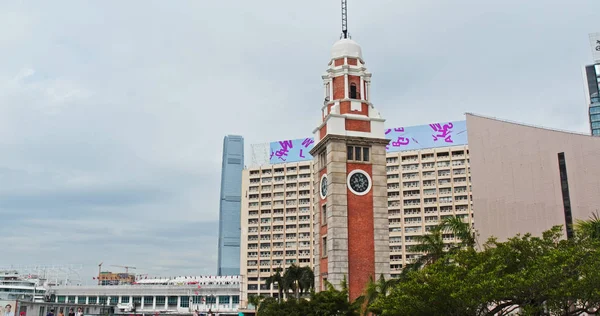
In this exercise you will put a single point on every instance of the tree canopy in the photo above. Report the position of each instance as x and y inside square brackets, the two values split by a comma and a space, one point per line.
[525, 275]
[545, 275]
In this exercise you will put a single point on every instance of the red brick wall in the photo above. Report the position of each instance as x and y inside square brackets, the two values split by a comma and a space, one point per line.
[323, 132]
[338, 88]
[358, 125]
[361, 242]
[322, 231]
[352, 61]
[339, 62]
[345, 108]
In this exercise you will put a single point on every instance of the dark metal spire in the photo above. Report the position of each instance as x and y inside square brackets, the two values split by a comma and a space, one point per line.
[345, 20]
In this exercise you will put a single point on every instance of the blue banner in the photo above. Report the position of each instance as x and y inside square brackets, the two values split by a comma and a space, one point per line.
[401, 139]
[427, 136]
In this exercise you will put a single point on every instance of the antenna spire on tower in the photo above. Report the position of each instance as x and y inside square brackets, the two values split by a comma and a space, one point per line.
[345, 20]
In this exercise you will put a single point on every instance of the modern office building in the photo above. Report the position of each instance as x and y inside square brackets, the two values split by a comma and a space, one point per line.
[592, 80]
[427, 178]
[591, 75]
[230, 205]
[527, 179]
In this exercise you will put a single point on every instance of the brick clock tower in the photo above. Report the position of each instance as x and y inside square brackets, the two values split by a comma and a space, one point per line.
[350, 210]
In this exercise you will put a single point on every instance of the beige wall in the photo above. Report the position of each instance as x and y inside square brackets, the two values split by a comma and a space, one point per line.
[516, 180]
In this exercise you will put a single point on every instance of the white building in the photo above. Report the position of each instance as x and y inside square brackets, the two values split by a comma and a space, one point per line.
[219, 294]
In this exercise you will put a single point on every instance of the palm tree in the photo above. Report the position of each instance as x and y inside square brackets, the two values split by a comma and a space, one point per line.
[461, 230]
[255, 300]
[589, 228]
[306, 281]
[375, 290]
[298, 279]
[278, 280]
[432, 245]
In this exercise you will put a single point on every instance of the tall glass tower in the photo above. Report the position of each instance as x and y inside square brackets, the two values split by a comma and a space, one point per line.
[230, 205]
[592, 78]
[591, 75]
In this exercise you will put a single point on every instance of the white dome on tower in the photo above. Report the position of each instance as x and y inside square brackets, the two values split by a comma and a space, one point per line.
[346, 48]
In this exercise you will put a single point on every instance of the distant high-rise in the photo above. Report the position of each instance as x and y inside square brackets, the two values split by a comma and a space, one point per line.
[230, 205]
[592, 85]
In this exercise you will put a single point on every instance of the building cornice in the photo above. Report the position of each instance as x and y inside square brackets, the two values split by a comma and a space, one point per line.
[350, 116]
[355, 140]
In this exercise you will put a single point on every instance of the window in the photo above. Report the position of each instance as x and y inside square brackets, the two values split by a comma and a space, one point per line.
[223, 299]
[196, 299]
[324, 247]
[185, 301]
[358, 153]
[124, 299]
[324, 212]
[564, 183]
[322, 159]
[353, 92]
[213, 299]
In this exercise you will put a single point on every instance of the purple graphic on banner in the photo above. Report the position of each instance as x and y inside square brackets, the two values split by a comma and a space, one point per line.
[433, 135]
[442, 132]
[291, 150]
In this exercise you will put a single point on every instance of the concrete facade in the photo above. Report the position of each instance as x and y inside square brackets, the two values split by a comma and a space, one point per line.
[276, 223]
[516, 179]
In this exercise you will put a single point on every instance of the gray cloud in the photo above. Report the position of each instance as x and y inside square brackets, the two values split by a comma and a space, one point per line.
[112, 113]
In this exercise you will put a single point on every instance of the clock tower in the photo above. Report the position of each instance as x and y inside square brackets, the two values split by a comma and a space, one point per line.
[350, 208]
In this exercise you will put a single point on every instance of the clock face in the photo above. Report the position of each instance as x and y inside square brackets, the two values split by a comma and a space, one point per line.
[324, 186]
[359, 182]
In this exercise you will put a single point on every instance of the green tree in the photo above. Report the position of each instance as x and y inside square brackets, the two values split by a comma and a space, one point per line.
[299, 280]
[331, 302]
[432, 244]
[589, 228]
[276, 279]
[374, 291]
[545, 275]
[255, 300]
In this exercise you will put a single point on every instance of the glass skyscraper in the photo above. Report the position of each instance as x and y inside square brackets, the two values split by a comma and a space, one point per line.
[592, 78]
[230, 205]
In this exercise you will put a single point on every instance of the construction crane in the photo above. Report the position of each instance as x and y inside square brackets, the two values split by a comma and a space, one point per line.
[126, 268]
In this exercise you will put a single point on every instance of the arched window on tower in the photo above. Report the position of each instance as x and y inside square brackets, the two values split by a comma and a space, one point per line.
[353, 92]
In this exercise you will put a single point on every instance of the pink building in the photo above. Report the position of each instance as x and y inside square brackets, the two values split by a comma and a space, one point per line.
[528, 179]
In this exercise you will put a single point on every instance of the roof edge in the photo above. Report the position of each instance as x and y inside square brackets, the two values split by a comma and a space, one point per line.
[529, 125]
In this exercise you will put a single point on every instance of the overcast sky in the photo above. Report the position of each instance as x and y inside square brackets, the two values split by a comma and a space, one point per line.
[112, 113]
